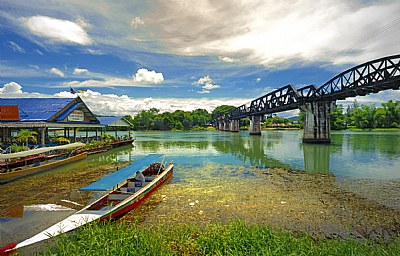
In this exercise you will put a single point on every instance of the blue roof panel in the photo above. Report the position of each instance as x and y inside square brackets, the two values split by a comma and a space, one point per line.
[106, 120]
[36, 109]
[113, 179]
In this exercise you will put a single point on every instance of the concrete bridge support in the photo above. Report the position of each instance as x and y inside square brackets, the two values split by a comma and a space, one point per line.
[234, 125]
[226, 125]
[317, 121]
[255, 125]
[221, 125]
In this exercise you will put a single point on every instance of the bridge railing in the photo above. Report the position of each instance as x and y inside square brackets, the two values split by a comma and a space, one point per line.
[239, 112]
[370, 77]
[285, 98]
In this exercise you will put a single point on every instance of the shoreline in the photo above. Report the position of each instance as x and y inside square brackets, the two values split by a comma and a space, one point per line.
[317, 204]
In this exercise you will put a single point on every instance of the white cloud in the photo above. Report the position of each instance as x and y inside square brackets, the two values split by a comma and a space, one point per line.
[278, 34]
[228, 59]
[94, 52]
[80, 71]
[203, 92]
[57, 29]
[203, 80]
[16, 47]
[11, 88]
[258, 80]
[106, 82]
[56, 71]
[136, 22]
[207, 84]
[111, 104]
[145, 76]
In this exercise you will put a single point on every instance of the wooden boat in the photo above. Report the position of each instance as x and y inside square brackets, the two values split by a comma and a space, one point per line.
[36, 168]
[123, 197]
[98, 150]
[122, 142]
[54, 157]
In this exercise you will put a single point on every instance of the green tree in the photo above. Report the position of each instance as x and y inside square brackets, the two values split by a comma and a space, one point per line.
[221, 111]
[337, 118]
[24, 136]
[380, 118]
[392, 109]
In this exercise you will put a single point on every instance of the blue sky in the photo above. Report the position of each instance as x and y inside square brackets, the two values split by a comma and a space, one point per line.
[181, 54]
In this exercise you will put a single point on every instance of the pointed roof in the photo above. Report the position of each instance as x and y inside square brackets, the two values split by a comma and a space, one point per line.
[48, 109]
[114, 121]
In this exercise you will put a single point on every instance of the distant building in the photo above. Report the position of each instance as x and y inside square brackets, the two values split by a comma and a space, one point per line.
[115, 123]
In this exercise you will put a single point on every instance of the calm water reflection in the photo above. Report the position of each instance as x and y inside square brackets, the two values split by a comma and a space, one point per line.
[374, 157]
[371, 155]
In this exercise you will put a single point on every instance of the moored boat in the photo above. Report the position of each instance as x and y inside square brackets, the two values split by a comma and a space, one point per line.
[122, 142]
[122, 196]
[50, 158]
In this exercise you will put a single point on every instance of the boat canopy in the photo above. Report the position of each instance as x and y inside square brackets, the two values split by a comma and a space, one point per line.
[40, 150]
[115, 178]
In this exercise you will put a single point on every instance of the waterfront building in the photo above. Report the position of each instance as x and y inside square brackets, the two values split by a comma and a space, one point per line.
[45, 116]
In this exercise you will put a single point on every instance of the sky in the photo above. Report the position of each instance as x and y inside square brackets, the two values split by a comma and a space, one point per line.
[122, 57]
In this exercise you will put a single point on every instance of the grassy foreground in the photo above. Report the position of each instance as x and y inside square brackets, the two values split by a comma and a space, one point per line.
[237, 238]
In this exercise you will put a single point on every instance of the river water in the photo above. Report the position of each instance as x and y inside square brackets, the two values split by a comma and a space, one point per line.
[363, 155]
[371, 159]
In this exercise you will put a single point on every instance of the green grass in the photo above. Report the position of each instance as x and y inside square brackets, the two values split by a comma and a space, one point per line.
[119, 238]
[355, 129]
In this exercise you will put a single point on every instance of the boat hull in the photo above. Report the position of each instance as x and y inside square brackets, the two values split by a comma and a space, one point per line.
[90, 213]
[14, 175]
[138, 199]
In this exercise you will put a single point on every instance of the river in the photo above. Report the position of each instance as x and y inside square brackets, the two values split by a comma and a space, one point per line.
[364, 155]
[365, 164]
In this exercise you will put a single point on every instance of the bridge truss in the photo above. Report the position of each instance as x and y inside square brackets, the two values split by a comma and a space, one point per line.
[370, 77]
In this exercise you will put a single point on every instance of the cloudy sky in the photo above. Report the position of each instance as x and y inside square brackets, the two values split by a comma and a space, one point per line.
[125, 56]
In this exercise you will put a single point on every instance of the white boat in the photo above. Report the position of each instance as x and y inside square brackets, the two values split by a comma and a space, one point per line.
[123, 197]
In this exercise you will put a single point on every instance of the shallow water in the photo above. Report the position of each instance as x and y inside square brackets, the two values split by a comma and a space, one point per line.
[223, 176]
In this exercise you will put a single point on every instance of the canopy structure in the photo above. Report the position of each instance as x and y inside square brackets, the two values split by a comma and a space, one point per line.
[113, 179]
[40, 150]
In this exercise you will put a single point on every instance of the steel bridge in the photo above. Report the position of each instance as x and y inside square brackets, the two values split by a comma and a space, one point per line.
[370, 77]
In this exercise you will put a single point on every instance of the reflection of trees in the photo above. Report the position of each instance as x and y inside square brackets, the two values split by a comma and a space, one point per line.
[157, 145]
[112, 155]
[248, 149]
[316, 158]
[385, 143]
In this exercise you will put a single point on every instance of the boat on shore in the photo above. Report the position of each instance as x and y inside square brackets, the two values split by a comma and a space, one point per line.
[121, 197]
[44, 159]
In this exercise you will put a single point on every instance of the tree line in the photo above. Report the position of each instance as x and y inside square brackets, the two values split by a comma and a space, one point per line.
[366, 116]
[198, 119]
[355, 115]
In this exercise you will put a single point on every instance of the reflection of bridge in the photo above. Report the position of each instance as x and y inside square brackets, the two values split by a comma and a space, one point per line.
[317, 102]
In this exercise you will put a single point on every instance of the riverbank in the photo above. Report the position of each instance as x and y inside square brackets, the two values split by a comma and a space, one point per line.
[236, 238]
[207, 199]
[251, 212]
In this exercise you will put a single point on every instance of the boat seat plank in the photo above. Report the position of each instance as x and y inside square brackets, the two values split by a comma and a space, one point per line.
[118, 197]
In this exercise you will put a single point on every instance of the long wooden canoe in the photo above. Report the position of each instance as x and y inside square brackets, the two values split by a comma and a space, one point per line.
[124, 197]
[6, 177]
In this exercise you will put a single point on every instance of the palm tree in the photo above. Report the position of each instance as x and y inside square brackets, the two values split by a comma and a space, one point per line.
[24, 136]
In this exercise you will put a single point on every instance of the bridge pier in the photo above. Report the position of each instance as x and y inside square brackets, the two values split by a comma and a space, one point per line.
[221, 125]
[317, 121]
[234, 125]
[255, 125]
[226, 125]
